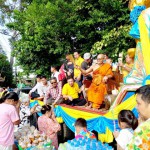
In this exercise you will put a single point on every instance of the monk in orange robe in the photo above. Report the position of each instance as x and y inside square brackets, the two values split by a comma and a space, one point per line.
[101, 73]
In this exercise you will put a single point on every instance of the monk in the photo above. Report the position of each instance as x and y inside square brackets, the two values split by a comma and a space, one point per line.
[101, 73]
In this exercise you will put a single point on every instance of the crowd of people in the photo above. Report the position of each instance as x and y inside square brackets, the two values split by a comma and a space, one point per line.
[79, 82]
[134, 132]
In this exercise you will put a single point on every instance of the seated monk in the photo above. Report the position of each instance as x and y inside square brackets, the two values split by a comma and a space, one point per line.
[127, 67]
[101, 73]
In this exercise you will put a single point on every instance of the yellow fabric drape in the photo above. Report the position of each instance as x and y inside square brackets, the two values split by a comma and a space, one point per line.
[129, 104]
[107, 137]
[145, 41]
[41, 103]
[79, 113]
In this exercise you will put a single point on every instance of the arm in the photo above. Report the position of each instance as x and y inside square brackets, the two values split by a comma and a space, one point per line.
[47, 95]
[33, 89]
[127, 68]
[85, 71]
[14, 116]
[59, 93]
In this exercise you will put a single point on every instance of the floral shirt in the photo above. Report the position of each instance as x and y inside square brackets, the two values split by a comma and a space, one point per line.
[24, 114]
[50, 128]
[85, 133]
[141, 137]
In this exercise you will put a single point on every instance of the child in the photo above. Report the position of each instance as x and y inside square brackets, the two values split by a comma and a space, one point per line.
[9, 108]
[127, 122]
[81, 129]
[48, 124]
[25, 110]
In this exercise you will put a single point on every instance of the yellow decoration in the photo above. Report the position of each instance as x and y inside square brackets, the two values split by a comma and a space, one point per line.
[145, 41]
[107, 137]
[131, 52]
[79, 113]
[41, 103]
[134, 3]
[147, 82]
[59, 119]
[129, 104]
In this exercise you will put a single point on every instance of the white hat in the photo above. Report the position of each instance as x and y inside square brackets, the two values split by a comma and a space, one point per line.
[87, 56]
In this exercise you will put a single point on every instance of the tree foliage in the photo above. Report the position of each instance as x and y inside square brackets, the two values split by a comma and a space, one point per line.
[5, 71]
[47, 29]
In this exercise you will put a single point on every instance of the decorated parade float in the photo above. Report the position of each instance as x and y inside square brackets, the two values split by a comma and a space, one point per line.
[104, 122]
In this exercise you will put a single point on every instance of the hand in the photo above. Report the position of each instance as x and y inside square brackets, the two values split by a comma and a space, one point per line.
[33, 109]
[54, 103]
[120, 64]
[77, 67]
[70, 98]
[116, 134]
[105, 79]
[68, 73]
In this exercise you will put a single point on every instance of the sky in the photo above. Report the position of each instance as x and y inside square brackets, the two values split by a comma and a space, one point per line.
[5, 44]
[4, 38]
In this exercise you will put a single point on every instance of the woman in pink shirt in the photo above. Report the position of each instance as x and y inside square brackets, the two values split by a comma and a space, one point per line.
[8, 118]
[48, 124]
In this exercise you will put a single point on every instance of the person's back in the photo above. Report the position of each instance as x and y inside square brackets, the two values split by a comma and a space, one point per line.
[127, 122]
[8, 118]
[81, 129]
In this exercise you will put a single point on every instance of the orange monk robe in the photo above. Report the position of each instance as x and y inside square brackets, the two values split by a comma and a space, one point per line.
[97, 89]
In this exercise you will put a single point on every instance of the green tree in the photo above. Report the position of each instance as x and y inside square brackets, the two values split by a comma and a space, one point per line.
[46, 30]
[5, 71]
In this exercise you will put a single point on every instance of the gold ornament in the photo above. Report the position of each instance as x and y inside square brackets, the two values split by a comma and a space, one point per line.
[133, 3]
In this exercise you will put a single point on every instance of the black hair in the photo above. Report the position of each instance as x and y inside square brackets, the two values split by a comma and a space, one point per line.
[128, 117]
[38, 76]
[43, 76]
[144, 91]
[80, 122]
[45, 108]
[53, 78]
[56, 67]
[70, 77]
[11, 95]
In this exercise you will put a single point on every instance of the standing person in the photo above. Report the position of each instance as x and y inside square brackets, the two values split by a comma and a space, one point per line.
[77, 72]
[141, 136]
[9, 109]
[36, 88]
[106, 57]
[44, 87]
[87, 80]
[69, 66]
[54, 72]
[48, 124]
[54, 93]
[86, 64]
[128, 123]
[101, 73]
[71, 92]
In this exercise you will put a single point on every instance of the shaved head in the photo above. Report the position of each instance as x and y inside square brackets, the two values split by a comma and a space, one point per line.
[100, 59]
